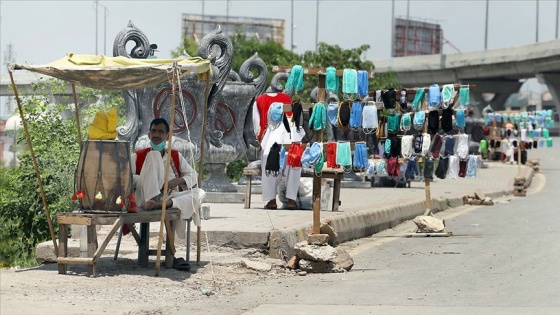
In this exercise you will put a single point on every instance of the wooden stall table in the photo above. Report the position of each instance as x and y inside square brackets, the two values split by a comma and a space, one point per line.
[337, 175]
[91, 220]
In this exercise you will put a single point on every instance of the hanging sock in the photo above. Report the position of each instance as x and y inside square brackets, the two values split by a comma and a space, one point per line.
[356, 116]
[434, 97]
[331, 80]
[463, 146]
[464, 96]
[363, 82]
[295, 80]
[460, 118]
[369, 119]
[332, 114]
[418, 100]
[453, 167]
[472, 166]
[360, 156]
[331, 155]
[272, 166]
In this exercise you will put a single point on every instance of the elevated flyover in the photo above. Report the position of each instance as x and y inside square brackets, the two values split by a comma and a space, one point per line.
[498, 71]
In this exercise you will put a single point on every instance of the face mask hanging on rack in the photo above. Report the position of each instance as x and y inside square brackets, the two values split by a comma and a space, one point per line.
[388, 146]
[447, 119]
[331, 155]
[297, 114]
[332, 114]
[282, 158]
[349, 84]
[437, 143]
[381, 168]
[406, 122]
[363, 82]
[433, 122]
[393, 168]
[447, 95]
[434, 97]
[426, 142]
[442, 168]
[418, 121]
[294, 155]
[369, 118]
[411, 169]
[318, 119]
[275, 115]
[331, 80]
[460, 118]
[389, 98]
[418, 97]
[403, 99]
[472, 166]
[356, 116]
[344, 114]
[393, 123]
[312, 154]
[295, 80]
[464, 96]
[344, 155]
[428, 168]
[360, 156]
[449, 146]
[406, 146]
[463, 146]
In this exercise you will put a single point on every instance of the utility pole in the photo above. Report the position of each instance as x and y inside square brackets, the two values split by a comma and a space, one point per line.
[292, 28]
[406, 29]
[537, 26]
[202, 21]
[317, 28]
[392, 28]
[96, 12]
[556, 30]
[486, 28]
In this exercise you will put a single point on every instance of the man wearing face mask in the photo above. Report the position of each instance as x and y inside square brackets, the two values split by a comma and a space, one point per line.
[148, 169]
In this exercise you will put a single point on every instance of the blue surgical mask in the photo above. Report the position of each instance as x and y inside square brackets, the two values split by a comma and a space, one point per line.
[157, 147]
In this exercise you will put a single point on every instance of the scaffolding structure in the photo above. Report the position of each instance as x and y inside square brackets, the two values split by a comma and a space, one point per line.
[196, 26]
[413, 38]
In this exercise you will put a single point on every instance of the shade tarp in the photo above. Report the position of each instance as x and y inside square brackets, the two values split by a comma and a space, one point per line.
[116, 73]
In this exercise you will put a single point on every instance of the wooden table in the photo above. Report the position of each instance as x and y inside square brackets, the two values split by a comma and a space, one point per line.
[327, 173]
[94, 252]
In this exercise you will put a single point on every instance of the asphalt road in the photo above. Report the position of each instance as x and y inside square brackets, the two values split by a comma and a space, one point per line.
[502, 259]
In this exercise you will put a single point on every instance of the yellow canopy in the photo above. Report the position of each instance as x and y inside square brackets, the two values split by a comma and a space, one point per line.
[116, 73]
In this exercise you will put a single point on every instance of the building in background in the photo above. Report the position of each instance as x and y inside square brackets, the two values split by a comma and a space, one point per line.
[413, 38]
[196, 26]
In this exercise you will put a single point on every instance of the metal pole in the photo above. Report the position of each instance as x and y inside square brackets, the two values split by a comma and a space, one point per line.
[227, 17]
[406, 29]
[317, 27]
[105, 31]
[556, 31]
[292, 28]
[392, 28]
[96, 12]
[202, 21]
[537, 26]
[486, 27]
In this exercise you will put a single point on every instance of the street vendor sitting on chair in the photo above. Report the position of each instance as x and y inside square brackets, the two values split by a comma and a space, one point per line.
[148, 169]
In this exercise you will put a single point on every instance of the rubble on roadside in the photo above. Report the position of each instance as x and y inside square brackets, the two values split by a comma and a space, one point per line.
[478, 198]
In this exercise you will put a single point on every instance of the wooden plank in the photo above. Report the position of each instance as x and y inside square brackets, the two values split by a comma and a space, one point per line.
[316, 205]
[73, 219]
[339, 72]
[62, 247]
[109, 236]
[247, 190]
[336, 195]
[75, 260]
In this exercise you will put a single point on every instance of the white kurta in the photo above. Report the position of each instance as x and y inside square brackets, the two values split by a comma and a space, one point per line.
[270, 183]
[151, 179]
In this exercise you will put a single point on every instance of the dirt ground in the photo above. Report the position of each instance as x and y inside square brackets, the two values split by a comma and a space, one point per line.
[122, 287]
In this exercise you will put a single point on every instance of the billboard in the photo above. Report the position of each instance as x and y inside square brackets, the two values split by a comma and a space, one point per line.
[414, 38]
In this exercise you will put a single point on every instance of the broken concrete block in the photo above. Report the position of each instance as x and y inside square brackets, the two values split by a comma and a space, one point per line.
[479, 194]
[314, 252]
[343, 259]
[293, 263]
[428, 224]
[256, 265]
[317, 239]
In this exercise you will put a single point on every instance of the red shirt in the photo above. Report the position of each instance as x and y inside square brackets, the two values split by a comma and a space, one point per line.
[263, 104]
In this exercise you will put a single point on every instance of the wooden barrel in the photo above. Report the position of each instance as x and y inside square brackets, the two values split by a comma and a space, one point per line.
[104, 171]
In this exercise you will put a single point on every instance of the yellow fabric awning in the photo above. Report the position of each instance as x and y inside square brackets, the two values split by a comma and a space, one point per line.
[116, 73]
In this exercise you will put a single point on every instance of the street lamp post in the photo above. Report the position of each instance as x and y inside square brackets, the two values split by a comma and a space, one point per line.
[317, 27]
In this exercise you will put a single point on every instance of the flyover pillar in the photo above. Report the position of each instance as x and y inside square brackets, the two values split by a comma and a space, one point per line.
[552, 81]
[501, 89]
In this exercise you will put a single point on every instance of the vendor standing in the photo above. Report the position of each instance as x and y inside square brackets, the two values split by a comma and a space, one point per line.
[270, 127]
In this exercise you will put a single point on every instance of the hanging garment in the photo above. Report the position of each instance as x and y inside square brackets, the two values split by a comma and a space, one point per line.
[343, 154]
[273, 161]
[463, 146]
[344, 114]
[417, 102]
[460, 118]
[406, 146]
[441, 170]
[418, 120]
[369, 119]
[453, 168]
[464, 96]
[411, 169]
[448, 95]
[294, 155]
[356, 116]
[472, 166]
[332, 114]
[261, 108]
[429, 168]
[437, 142]
[433, 122]
[331, 155]
[403, 99]
[389, 98]
[331, 80]
[393, 167]
[360, 156]
[434, 97]
[363, 82]
[447, 120]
